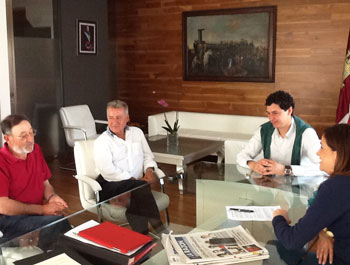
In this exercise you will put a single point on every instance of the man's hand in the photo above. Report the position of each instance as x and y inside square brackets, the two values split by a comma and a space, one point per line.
[282, 212]
[257, 167]
[149, 177]
[324, 248]
[266, 167]
[58, 199]
[53, 208]
[273, 167]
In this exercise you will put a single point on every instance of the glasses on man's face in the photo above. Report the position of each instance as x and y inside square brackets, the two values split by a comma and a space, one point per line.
[24, 136]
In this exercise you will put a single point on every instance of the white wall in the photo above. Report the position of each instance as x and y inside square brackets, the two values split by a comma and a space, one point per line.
[5, 105]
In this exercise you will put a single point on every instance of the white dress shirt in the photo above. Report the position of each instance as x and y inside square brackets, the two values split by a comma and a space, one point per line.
[281, 151]
[118, 159]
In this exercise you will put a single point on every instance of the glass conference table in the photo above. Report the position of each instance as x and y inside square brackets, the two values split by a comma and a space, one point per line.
[232, 186]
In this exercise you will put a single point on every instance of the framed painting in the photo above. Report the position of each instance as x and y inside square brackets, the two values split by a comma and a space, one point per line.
[86, 37]
[230, 44]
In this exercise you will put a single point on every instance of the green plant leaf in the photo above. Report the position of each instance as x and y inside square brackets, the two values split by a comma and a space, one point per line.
[167, 129]
[176, 126]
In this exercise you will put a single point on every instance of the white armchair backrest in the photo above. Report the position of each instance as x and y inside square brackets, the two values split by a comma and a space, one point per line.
[84, 159]
[85, 166]
[77, 116]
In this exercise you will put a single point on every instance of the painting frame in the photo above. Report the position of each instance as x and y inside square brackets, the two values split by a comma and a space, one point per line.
[86, 37]
[246, 52]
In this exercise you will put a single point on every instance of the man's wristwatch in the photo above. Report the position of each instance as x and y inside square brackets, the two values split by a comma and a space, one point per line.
[288, 171]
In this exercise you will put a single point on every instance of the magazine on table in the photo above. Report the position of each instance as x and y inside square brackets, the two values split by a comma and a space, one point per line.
[224, 246]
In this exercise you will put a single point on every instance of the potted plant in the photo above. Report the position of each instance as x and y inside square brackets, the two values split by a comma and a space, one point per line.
[172, 131]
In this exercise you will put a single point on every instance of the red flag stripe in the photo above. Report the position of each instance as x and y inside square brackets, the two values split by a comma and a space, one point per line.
[344, 95]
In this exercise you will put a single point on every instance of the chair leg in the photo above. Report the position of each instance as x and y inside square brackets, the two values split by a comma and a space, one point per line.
[167, 220]
[99, 210]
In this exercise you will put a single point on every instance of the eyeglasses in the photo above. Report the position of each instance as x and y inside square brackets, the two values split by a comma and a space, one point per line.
[24, 136]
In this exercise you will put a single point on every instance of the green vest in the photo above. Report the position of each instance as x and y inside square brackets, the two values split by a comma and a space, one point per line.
[267, 130]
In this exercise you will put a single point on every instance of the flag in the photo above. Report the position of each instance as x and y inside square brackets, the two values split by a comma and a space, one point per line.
[343, 110]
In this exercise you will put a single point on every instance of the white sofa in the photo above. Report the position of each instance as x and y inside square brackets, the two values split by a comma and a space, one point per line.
[235, 130]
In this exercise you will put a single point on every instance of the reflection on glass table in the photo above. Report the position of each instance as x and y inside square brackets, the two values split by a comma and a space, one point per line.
[51, 237]
[212, 196]
[235, 173]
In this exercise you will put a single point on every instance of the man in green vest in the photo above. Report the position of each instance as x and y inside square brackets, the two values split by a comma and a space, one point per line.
[287, 143]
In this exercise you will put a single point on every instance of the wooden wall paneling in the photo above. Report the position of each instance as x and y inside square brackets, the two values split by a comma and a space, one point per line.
[310, 51]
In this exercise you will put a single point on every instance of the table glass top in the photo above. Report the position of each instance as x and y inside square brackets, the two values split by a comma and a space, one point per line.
[216, 186]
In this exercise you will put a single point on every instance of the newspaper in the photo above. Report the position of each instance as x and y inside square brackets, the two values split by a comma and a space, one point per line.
[195, 248]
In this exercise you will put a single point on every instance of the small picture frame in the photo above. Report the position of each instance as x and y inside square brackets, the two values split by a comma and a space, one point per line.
[87, 37]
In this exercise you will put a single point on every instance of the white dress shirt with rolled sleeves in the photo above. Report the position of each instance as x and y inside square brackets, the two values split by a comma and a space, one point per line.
[281, 151]
[118, 159]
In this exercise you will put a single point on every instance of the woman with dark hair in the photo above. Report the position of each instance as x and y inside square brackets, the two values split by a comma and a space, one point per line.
[331, 207]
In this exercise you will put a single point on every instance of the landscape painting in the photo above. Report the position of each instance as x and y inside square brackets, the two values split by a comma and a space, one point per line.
[230, 44]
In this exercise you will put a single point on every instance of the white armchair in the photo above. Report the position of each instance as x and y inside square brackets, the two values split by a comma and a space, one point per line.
[89, 188]
[78, 123]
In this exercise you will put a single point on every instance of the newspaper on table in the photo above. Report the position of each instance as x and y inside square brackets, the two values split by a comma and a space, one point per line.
[195, 248]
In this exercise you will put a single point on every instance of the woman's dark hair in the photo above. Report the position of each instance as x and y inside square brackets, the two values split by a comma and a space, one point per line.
[11, 121]
[338, 139]
[281, 98]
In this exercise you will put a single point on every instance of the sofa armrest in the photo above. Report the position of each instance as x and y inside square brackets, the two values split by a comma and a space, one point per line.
[232, 148]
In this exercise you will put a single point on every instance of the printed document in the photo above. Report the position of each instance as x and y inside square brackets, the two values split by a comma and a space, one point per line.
[251, 213]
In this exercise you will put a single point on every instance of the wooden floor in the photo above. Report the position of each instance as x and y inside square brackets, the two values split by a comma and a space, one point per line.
[182, 208]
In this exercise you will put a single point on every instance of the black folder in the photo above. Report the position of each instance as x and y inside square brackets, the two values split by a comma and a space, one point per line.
[50, 254]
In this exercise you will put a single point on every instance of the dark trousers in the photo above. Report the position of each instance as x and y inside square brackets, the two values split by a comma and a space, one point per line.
[17, 225]
[295, 257]
[142, 207]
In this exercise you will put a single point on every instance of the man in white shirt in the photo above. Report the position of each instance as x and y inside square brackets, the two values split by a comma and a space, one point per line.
[289, 145]
[125, 161]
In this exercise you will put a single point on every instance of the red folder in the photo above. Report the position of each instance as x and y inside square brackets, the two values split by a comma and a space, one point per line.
[114, 236]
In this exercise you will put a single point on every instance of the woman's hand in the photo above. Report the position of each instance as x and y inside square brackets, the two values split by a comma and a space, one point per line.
[324, 248]
[282, 212]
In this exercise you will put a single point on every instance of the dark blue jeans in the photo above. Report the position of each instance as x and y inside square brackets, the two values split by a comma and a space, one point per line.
[17, 225]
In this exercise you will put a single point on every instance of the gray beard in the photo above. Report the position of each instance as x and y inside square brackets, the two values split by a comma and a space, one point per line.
[23, 150]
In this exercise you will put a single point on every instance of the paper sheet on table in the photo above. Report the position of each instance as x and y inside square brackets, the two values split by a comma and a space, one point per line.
[61, 259]
[260, 213]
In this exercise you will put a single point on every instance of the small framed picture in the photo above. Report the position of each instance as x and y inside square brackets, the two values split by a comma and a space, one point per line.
[87, 36]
